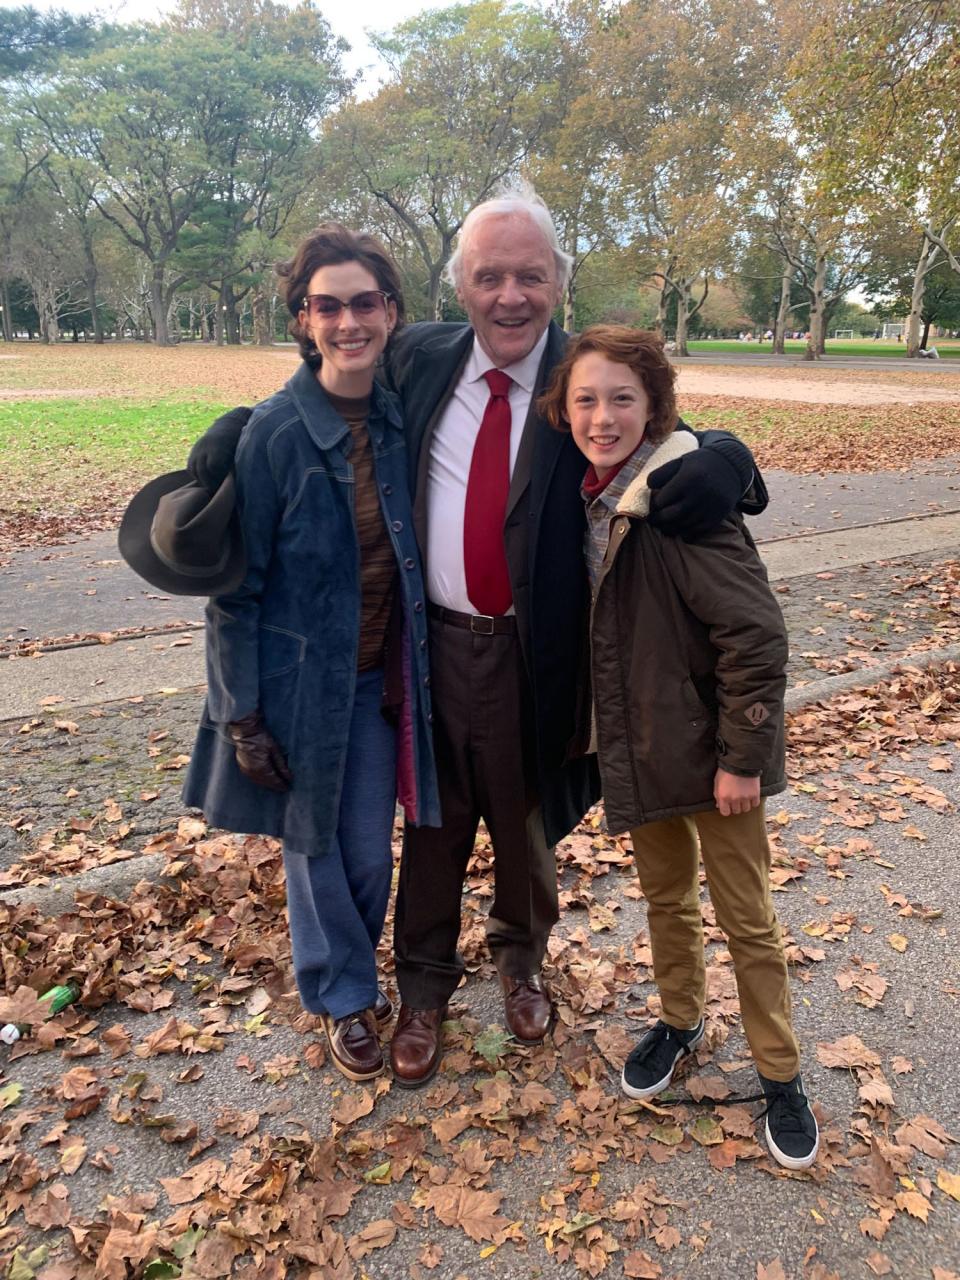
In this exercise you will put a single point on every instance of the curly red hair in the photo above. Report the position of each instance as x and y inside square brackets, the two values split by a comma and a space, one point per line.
[640, 350]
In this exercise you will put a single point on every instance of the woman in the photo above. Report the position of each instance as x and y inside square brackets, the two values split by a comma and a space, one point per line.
[318, 706]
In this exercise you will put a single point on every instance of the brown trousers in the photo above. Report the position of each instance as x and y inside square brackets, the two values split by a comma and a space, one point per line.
[736, 859]
[484, 750]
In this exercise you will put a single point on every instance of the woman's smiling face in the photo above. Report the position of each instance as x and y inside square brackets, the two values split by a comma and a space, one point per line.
[349, 346]
[608, 409]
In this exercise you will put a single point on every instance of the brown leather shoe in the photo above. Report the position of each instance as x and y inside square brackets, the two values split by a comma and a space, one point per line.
[527, 1007]
[354, 1044]
[417, 1046]
[383, 1009]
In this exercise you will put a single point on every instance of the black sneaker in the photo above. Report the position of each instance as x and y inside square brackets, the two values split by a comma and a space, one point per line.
[791, 1128]
[651, 1065]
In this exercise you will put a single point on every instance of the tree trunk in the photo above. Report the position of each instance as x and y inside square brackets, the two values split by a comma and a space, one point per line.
[158, 307]
[783, 310]
[569, 306]
[660, 319]
[5, 314]
[912, 334]
[90, 277]
[434, 301]
[926, 335]
[685, 291]
[261, 318]
[817, 309]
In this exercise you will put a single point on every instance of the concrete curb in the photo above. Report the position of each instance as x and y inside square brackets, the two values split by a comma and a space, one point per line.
[820, 690]
[119, 878]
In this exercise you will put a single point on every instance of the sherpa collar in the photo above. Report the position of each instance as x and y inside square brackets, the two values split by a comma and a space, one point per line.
[636, 497]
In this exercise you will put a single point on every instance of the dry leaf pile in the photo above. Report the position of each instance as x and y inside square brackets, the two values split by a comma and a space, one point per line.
[808, 439]
[197, 966]
[859, 617]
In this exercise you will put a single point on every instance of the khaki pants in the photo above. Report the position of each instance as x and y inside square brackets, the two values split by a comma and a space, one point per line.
[736, 858]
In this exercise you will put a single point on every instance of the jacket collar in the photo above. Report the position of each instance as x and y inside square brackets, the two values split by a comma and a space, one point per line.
[323, 423]
[636, 497]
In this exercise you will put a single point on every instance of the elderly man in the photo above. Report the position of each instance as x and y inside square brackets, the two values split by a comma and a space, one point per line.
[500, 525]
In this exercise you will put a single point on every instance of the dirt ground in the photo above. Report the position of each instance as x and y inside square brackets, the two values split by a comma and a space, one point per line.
[820, 386]
[247, 374]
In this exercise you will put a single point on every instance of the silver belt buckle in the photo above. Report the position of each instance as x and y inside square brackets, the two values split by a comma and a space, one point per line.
[481, 624]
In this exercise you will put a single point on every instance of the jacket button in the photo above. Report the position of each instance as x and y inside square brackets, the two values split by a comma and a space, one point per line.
[423, 644]
[409, 563]
[426, 682]
[397, 526]
[387, 488]
[418, 606]
[429, 717]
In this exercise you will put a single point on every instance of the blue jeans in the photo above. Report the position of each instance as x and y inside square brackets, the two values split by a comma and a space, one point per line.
[337, 903]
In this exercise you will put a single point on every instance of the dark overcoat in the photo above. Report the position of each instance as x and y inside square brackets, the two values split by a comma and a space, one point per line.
[543, 535]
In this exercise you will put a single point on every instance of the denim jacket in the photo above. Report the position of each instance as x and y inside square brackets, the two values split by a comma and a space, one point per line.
[286, 640]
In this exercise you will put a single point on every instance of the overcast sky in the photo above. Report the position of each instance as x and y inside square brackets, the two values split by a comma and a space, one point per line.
[347, 19]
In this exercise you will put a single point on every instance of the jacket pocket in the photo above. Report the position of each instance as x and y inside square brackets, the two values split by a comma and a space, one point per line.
[281, 651]
[697, 710]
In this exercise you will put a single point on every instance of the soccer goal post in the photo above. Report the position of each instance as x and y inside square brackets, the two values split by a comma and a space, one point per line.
[843, 333]
[891, 330]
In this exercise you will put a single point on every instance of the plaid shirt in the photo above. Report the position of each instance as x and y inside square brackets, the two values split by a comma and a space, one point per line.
[602, 508]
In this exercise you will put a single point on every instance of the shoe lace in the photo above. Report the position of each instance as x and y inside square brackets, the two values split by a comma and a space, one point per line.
[787, 1106]
[663, 1035]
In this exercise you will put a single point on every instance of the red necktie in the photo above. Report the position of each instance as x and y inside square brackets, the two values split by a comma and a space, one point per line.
[484, 555]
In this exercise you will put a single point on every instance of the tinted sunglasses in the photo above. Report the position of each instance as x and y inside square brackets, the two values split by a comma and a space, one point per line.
[364, 306]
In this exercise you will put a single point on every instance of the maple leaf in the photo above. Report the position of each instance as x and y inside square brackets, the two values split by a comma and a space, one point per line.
[879, 1263]
[475, 1212]
[191, 1185]
[640, 1266]
[352, 1106]
[914, 1203]
[877, 1092]
[949, 1183]
[773, 1270]
[848, 1051]
[23, 1006]
[375, 1235]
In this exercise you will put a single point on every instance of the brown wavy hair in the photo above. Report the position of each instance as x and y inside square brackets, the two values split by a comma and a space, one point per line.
[640, 350]
[326, 246]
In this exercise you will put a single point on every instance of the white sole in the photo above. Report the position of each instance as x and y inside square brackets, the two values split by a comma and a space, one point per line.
[790, 1162]
[652, 1090]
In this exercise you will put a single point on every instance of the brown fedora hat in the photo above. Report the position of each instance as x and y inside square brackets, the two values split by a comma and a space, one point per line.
[182, 538]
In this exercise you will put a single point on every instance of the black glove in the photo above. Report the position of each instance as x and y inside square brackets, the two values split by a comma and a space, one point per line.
[259, 756]
[211, 458]
[692, 494]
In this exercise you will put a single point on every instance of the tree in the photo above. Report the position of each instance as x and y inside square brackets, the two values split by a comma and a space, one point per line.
[468, 97]
[672, 78]
[884, 79]
[287, 76]
[31, 41]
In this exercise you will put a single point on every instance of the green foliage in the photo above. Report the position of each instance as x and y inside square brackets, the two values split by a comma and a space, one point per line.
[51, 448]
[31, 41]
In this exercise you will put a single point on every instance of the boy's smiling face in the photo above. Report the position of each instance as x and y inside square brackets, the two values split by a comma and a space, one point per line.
[608, 409]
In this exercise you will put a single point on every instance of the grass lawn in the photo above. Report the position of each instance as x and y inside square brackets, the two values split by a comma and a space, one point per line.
[66, 454]
[949, 348]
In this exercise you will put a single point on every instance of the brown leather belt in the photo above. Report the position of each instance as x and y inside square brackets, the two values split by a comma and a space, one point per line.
[481, 624]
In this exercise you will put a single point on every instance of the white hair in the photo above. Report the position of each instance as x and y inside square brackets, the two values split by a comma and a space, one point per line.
[516, 200]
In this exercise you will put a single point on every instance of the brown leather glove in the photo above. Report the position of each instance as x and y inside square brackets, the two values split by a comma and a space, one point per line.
[259, 756]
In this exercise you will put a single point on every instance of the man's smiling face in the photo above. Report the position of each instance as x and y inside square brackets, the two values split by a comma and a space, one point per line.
[509, 285]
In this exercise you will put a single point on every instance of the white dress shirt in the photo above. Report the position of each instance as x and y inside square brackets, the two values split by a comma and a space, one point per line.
[451, 452]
